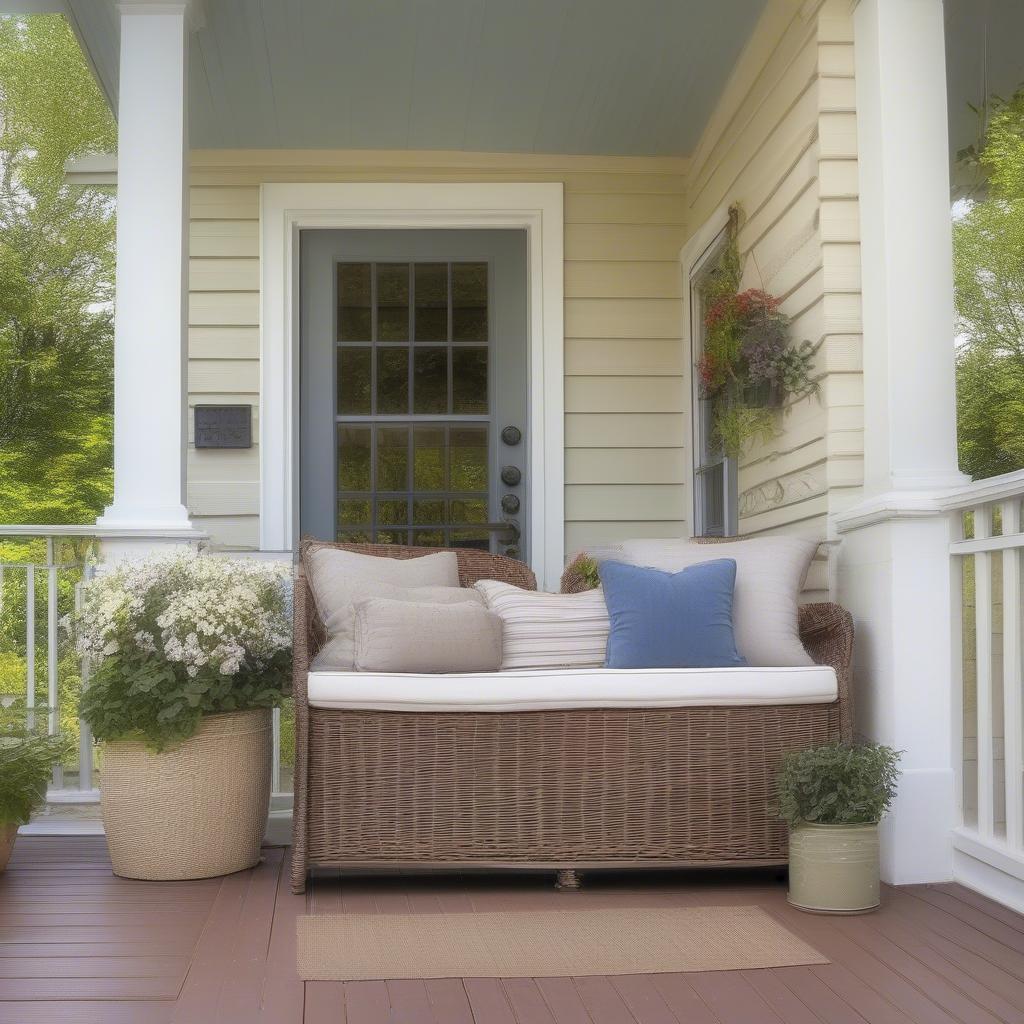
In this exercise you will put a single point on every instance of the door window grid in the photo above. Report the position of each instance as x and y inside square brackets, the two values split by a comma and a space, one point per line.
[716, 503]
[379, 507]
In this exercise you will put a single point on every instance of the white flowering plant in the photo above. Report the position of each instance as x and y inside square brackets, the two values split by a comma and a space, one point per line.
[173, 638]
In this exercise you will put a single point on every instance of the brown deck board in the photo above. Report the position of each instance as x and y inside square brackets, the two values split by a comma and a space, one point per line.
[78, 945]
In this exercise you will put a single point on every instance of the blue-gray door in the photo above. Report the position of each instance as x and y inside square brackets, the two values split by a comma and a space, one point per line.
[413, 379]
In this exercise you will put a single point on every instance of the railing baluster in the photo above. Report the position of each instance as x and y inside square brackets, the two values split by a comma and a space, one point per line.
[275, 756]
[983, 647]
[30, 641]
[1013, 681]
[52, 690]
[84, 735]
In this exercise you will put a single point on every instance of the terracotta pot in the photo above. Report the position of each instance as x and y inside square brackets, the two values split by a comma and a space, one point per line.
[834, 868]
[192, 811]
[8, 833]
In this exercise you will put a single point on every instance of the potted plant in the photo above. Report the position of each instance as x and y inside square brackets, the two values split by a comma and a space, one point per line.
[833, 798]
[27, 756]
[188, 655]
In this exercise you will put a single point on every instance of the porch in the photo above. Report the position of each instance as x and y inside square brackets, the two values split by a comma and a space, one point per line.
[846, 195]
[79, 944]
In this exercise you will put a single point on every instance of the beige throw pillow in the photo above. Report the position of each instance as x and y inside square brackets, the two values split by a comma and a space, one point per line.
[413, 636]
[770, 573]
[339, 578]
[549, 630]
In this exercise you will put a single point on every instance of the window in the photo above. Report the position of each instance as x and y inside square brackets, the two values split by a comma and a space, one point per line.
[715, 499]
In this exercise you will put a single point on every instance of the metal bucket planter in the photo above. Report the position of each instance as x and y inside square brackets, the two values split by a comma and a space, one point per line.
[195, 810]
[8, 833]
[834, 868]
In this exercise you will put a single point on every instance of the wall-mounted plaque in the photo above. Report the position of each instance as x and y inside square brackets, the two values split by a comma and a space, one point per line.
[223, 426]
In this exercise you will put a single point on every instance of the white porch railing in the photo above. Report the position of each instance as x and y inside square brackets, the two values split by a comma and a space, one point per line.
[986, 549]
[42, 569]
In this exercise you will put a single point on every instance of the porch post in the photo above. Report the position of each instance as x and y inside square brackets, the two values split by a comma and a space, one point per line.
[150, 321]
[894, 563]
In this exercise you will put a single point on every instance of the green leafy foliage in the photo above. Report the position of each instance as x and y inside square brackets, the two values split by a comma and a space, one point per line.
[988, 265]
[27, 756]
[588, 570]
[838, 784]
[56, 280]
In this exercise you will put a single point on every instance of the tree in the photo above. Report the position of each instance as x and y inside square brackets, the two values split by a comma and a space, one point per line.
[988, 263]
[56, 280]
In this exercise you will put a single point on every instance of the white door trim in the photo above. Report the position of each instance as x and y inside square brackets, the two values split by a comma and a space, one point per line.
[287, 208]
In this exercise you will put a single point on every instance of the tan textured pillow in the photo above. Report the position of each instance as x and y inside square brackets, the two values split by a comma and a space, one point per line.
[340, 578]
[770, 573]
[413, 636]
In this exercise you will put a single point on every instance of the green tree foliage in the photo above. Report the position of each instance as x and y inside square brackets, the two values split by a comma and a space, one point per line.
[988, 262]
[56, 280]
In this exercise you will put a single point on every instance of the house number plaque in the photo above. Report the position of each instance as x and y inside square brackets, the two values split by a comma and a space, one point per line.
[223, 426]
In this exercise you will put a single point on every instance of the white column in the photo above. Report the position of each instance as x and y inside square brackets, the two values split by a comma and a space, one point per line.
[149, 324]
[894, 566]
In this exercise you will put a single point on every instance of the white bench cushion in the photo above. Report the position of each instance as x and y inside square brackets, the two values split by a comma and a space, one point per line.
[548, 689]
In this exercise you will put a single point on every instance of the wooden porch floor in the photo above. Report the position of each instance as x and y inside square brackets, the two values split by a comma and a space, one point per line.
[78, 945]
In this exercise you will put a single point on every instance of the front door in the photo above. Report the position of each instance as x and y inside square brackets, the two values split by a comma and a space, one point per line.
[413, 370]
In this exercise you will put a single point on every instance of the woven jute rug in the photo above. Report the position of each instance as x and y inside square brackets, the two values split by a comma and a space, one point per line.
[543, 944]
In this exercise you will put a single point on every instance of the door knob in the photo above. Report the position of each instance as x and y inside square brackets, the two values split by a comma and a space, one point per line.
[509, 504]
[511, 475]
[511, 436]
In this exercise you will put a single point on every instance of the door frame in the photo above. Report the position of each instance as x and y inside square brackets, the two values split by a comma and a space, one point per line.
[288, 208]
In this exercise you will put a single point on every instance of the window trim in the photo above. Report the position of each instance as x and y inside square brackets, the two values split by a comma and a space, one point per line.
[699, 250]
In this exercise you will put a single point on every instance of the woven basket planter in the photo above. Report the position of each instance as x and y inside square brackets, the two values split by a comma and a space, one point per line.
[193, 811]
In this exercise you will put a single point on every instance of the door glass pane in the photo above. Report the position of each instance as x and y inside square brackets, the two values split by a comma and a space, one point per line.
[354, 380]
[430, 380]
[474, 511]
[392, 381]
[478, 539]
[354, 458]
[429, 512]
[467, 459]
[428, 459]
[392, 459]
[429, 538]
[392, 301]
[353, 512]
[469, 302]
[354, 323]
[469, 381]
[431, 301]
[392, 512]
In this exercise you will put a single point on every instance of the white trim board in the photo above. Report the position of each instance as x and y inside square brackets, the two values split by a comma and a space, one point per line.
[286, 209]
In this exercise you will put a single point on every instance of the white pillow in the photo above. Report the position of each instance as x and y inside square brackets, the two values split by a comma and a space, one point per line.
[548, 630]
[770, 573]
[339, 578]
[413, 636]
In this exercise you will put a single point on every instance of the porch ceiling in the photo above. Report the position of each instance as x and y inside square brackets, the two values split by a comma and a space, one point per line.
[551, 76]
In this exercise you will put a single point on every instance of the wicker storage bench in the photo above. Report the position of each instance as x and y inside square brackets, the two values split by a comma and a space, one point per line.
[547, 789]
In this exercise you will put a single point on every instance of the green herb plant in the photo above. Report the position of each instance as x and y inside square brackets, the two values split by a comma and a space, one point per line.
[838, 784]
[27, 757]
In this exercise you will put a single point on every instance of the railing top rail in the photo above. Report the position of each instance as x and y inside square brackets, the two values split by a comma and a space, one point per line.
[983, 492]
[92, 530]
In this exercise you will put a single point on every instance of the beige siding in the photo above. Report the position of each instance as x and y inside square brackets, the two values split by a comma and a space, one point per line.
[625, 391]
[782, 144]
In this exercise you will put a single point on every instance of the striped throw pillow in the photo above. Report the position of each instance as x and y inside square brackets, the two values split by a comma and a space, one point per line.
[548, 630]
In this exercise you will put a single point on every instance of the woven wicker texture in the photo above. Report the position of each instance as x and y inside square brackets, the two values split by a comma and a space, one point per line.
[193, 811]
[558, 789]
[564, 943]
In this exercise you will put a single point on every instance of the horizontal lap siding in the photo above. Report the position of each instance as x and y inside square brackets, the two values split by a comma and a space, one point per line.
[224, 369]
[627, 473]
[783, 145]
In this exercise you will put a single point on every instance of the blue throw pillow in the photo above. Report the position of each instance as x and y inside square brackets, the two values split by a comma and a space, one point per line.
[670, 619]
